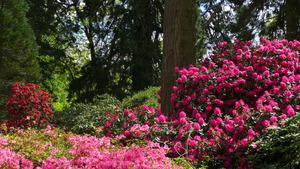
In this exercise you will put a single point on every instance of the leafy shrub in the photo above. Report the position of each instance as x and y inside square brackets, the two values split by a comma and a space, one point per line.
[107, 102]
[146, 97]
[81, 118]
[60, 106]
[228, 102]
[28, 106]
[280, 148]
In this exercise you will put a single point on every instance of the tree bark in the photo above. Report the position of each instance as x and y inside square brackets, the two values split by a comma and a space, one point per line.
[179, 45]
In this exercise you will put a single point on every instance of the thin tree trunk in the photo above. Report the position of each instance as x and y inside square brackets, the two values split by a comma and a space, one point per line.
[292, 19]
[179, 45]
[142, 66]
[1, 31]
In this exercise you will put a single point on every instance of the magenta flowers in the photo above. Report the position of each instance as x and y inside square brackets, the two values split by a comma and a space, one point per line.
[234, 96]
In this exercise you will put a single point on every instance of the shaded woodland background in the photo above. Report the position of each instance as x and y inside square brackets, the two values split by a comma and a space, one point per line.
[80, 49]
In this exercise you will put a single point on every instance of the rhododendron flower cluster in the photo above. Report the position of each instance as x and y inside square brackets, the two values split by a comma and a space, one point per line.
[28, 106]
[223, 105]
[139, 130]
[136, 123]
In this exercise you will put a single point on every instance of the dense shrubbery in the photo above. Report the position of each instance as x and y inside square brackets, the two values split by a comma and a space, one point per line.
[10, 159]
[223, 111]
[38, 145]
[92, 152]
[81, 118]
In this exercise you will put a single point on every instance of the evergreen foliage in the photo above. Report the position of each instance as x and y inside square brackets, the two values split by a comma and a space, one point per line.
[18, 49]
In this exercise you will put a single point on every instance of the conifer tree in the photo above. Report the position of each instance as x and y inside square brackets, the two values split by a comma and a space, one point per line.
[18, 49]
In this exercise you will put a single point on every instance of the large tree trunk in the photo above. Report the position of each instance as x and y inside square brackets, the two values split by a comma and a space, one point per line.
[179, 45]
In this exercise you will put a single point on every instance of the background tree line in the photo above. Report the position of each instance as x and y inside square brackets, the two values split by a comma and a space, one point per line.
[78, 49]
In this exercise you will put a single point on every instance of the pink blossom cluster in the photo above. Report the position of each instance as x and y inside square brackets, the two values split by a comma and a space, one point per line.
[10, 159]
[223, 105]
[3, 142]
[136, 123]
[92, 152]
[139, 130]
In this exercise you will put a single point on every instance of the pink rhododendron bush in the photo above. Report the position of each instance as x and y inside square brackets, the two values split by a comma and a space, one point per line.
[224, 105]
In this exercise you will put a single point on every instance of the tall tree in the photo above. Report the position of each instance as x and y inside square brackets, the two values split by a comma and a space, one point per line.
[18, 49]
[145, 49]
[137, 41]
[179, 44]
[123, 40]
[91, 17]
[55, 33]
